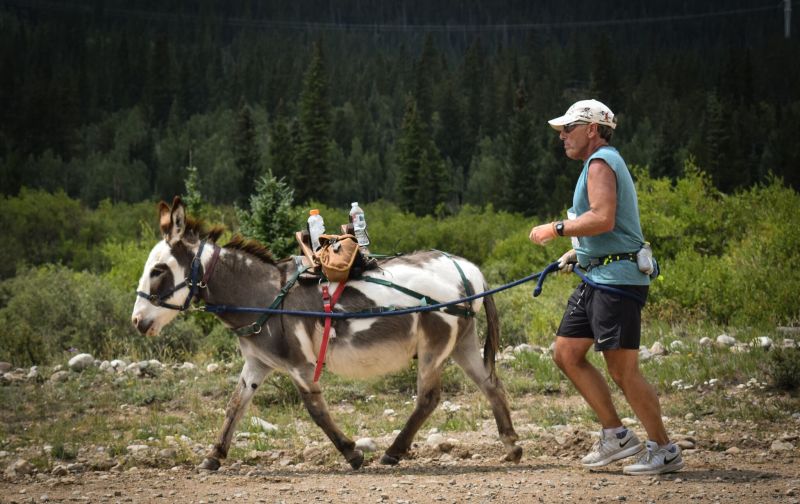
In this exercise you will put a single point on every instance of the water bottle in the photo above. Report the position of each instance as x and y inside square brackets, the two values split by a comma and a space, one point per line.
[644, 259]
[359, 224]
[316, 226]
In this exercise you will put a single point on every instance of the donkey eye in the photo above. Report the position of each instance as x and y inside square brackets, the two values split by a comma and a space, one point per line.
[157, 271]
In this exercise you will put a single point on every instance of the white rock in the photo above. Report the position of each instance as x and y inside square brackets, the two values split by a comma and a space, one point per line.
[119, 365]
[263, 425]
[5, 367]
[33, 373]
[450, 407]
[435, 440]
[740, 348]
[678, 346]
[388, 412]
[658, 349]
[212, 368]
[59, 377]
[80, 362]
[627, 422]
[705, 341]
[187, 366]
[789, 343]
[644, 354]
[19, 466]
[366, 445]
[725, 340]
[106, 366]
[137, 449]
[781, 446]
[764, 342]
[523, 348]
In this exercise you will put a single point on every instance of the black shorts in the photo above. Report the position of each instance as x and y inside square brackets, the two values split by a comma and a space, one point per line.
[612, 320]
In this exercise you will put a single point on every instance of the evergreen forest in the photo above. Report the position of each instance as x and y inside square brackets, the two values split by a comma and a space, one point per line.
[432, 115]
[427, 105]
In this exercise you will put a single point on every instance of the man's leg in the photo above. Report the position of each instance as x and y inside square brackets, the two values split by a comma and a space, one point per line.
[570, 357]
[623, 366]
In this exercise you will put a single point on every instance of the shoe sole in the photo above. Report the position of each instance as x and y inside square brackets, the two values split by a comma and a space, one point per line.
[677, 466]
[628, 452]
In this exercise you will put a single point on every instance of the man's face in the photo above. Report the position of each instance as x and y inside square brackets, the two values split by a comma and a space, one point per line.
[576, 139]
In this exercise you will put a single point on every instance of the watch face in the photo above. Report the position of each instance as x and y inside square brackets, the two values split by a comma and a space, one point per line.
[560, 228]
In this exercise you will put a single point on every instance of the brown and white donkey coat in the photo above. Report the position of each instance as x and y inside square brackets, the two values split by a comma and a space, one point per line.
[245, 275]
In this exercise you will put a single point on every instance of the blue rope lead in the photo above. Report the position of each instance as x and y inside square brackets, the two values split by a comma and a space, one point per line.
[399, 311]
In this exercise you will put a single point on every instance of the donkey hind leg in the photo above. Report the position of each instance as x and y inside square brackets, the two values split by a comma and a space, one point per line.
[318, 409]
[252, 375]
[468, 357]
[431, 357]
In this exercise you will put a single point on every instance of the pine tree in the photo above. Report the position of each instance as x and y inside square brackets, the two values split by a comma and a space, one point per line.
[424, 74]
[312, 177]
[281, 148]
[246, 154]
[270, 218]
[423, 183]
[521, 192]
[192, 196]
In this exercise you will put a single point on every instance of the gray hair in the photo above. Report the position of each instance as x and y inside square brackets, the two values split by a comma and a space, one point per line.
[605, 132]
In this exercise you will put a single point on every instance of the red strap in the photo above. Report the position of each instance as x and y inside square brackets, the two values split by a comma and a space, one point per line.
[328, 303]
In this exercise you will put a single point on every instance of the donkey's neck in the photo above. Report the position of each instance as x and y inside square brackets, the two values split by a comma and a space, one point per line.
[241, 279]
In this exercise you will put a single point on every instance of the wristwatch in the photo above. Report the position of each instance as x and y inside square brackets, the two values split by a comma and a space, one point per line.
[560, 228]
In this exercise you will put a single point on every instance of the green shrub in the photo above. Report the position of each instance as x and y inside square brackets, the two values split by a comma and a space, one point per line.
[50, 310]
[783, 368]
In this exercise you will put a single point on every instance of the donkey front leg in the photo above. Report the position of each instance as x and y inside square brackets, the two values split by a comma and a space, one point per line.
[253, 374]
[318, 409]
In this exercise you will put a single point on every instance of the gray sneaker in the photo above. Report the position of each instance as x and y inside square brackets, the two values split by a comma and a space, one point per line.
[611, 448]
[656, 460]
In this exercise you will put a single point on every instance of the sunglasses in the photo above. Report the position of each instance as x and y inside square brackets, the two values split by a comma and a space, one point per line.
[571, 126]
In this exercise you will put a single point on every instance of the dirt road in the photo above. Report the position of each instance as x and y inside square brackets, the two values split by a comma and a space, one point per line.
[743, 476]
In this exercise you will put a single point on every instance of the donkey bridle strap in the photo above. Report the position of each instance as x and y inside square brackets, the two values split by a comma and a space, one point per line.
[192, 282]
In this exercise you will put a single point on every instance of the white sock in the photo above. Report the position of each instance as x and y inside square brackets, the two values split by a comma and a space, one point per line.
[614, 431]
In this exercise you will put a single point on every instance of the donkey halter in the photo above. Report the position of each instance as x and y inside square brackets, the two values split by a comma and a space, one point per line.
[194, 282]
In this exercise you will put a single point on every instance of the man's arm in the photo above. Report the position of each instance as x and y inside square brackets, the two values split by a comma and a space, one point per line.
[601, 216]
[601, 186]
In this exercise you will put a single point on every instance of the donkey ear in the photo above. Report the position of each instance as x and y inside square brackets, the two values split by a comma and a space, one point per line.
[178, 221]
[164, 218]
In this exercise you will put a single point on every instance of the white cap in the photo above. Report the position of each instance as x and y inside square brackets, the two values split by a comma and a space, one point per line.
[587, 111]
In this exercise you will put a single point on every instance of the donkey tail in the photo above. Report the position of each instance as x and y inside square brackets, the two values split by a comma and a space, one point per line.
[492, 344]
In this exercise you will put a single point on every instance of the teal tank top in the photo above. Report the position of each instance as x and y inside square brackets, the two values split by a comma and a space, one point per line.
[627, 233]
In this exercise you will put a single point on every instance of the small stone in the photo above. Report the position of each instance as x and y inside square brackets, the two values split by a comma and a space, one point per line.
[781, 446]
[733, 450]
[366, 445]
[725, 340]
[80, 362]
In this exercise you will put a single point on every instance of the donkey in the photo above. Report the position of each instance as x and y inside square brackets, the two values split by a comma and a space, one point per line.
[244, 274]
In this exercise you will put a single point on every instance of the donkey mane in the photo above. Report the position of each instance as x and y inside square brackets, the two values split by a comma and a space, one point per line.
[252, 247]
[198, 227]
[238, 242]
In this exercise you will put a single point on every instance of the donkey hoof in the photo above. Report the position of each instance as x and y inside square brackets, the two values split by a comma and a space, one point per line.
[357, 460]
[389, 459]
[515, 455]
[209, 464]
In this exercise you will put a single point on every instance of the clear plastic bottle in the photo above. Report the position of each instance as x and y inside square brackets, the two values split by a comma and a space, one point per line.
[359, 224]
[644, 259]
[316, 227]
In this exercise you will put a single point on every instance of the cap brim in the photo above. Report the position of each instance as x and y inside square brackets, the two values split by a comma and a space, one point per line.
[559, 122]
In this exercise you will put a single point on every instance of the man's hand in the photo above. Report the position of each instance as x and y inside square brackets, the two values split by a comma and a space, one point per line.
[543, 233]
[566, 263]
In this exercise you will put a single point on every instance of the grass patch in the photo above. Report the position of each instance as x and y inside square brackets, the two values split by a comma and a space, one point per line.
[98, 410]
